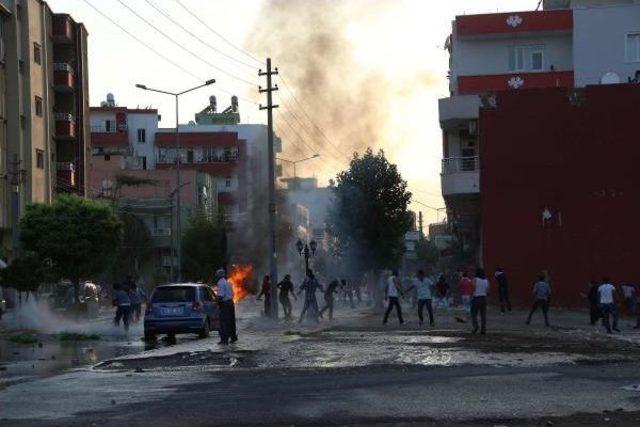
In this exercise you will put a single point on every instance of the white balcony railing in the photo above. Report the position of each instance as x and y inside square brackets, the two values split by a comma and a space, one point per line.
[453, 165]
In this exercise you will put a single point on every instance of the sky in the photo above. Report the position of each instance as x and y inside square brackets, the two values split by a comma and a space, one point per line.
[399, 42]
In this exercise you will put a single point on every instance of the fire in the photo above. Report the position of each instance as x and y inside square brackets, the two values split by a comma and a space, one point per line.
[240, 278]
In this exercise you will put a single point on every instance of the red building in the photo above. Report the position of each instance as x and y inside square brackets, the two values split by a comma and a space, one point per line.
[560, 188]
[538, 153]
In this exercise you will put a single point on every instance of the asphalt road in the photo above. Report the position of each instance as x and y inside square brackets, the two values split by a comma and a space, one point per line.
[352, 372]
[465, 395]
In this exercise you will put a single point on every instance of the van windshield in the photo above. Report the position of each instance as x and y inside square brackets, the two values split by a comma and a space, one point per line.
[174, 294]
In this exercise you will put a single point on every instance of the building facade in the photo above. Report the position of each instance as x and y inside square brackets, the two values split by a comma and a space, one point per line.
[507, 73]
[44, 98]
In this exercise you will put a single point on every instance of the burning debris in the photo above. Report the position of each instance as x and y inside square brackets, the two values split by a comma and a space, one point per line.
[240, 277]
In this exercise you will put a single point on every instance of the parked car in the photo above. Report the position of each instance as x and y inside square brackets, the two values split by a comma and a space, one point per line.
[185, 308]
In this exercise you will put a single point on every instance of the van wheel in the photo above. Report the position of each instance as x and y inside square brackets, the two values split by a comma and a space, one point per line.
[149, 336]
[206, 330]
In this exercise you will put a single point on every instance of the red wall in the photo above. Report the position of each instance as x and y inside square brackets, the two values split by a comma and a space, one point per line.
[539, 151]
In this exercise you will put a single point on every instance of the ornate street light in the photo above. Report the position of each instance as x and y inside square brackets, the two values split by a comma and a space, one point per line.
[308, 250]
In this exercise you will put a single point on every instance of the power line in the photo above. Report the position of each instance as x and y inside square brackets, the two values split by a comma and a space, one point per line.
[427, 206]
[152, 49]
[195, 55]
[195, 36]
[244, 52]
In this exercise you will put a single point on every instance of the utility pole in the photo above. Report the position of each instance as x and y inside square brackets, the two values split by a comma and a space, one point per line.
[420, 224]
[273, 255]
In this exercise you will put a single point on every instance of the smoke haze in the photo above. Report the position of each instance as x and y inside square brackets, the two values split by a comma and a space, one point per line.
[328, 51]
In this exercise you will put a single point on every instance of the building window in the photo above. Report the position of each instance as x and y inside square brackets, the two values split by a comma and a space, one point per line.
[38, 106]
[23, 122]
[40, 159]
[142, 135]
[37, 53]
[107, 157]
[632, 47]
[537, 60]
[21, 66]
[227, 182]
[526, 58]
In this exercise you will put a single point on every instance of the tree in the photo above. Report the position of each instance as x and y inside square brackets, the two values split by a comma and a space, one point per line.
[370, 216]
[26, 273]
[78, 237]
[136, 247]
[202, 248]
[427, 252]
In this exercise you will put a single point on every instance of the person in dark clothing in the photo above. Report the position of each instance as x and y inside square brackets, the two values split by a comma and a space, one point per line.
[123, 305]
[348, 291]
[503, 290]
[310, 286]
[594, 303]
[541, 295]
[392, 293]
[286, 287]
[266, 291]
[332, 288]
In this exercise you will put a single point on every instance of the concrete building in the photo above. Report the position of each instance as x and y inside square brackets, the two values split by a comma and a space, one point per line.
[44, 105]
[524, 60]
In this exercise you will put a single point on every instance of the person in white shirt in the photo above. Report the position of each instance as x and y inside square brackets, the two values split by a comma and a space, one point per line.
[392, 293]
[606, 294]
[479, 301]
[423, 286]
[224, 292]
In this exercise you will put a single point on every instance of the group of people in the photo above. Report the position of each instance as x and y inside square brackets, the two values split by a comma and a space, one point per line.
[127, 297]
[310, 286]
[603, 300]
[474, 297]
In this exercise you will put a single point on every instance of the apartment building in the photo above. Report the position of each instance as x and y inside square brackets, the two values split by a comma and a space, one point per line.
[44, 106]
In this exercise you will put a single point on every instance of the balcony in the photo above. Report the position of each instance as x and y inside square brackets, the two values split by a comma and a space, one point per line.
[109, 138]
[66, 175]
[510, 24]
[457, 110]
[514, 81]
[65, 126]
[460, 175]
[62, 29]
[63, 77]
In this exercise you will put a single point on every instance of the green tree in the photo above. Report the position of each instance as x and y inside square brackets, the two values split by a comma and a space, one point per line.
[427, 252]
[78, 237]
[370, 216]
[26, 273]
[202, 248]
[135, 249]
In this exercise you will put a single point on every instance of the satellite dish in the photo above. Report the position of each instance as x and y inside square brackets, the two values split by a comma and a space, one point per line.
[610, 78]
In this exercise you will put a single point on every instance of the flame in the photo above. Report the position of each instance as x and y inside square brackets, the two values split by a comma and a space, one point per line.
[240, 277]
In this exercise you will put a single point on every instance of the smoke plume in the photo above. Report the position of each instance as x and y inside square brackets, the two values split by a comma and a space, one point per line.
[309, 43]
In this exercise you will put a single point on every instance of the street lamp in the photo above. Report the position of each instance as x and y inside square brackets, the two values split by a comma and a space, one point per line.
[294, 163]
[308, 250]
[178, 160]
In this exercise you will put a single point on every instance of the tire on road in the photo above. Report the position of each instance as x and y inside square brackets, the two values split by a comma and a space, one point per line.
[206, 329]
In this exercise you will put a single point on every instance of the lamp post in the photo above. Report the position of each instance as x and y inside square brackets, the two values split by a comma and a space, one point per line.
[294, 163]
[176, 95]
[308, 250]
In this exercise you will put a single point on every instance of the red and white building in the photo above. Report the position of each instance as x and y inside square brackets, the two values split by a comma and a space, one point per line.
[539, 159]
